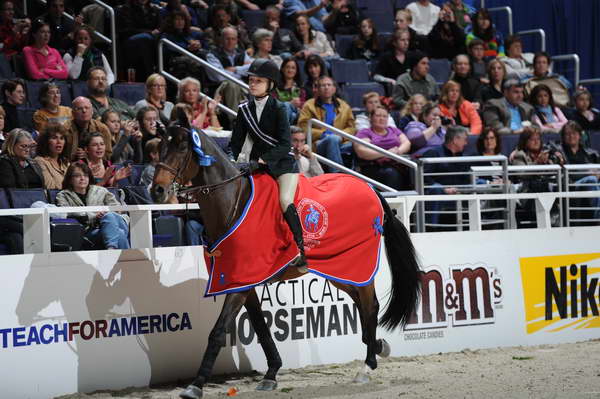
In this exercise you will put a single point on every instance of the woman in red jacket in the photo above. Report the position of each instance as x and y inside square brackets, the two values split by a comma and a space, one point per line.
[41, 60]
[455, 107]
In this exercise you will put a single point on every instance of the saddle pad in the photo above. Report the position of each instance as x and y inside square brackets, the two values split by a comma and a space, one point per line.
[342, 224]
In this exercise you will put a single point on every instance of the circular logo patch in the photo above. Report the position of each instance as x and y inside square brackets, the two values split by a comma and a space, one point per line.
[314, 218]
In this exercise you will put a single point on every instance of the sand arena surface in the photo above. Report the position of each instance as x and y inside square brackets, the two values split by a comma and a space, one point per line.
[547, 371]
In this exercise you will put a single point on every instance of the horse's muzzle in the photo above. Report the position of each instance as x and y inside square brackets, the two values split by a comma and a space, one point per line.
[159, 194]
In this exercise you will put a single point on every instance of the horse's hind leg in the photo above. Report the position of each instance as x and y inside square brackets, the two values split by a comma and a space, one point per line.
[216, 340]
[265, 339]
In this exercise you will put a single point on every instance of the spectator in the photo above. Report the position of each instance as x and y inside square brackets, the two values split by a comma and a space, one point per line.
[105, 229]
[189, 14]
[509, 114]
[584, 114]
[84, 55]
[61, 27]
[51, 155]
[530, 150]
[366, 44]
[156, 96]
[17, 169]
[470, 87]
[152, 154]
[477, 61]
[81, 125]
[462, 12]
[289, 90]
[446, 39]
[147, 118]
[177, 28]
[314, 10]
[546, 113]
[203, 111]
[372, 163]
[412, 110]
[402, 22]
[285, 43]
[416, 81]
[426, 133]
[126, 138]
[484, 30]
[327, 107]
[97, 84]
[460, 110]
[453, 174]
[371, 101]
[222, 18]
[41, 60]
[313, 41]
[307, 162]
[2, 132]
[394, 63]
[51, 111]
[517, 63]
[315, 68]
[489, 142]
[263, 44]
[424, 16]
[342, 18]
[13, 32]
[105, 173]
[14, 95]
[541, 75]
[496, 72]
[138, 25]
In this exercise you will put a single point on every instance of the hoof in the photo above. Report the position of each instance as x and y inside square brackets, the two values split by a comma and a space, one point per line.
[302, 269]
[386, 349]
[191, 392]
[362, 377]
[267, 385]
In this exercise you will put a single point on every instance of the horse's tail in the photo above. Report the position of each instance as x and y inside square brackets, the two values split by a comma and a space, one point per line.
[404, 267]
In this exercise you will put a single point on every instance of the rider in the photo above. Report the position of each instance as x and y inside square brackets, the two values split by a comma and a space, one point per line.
[261, 137]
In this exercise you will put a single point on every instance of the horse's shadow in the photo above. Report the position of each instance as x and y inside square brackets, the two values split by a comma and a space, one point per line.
[124, 289]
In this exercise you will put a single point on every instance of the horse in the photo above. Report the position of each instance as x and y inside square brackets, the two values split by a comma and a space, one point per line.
[221, 190]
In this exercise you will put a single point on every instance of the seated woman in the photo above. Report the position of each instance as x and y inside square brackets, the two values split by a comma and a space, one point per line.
[84, 55]
[289, 90]
[530, 150]
[547, 114]
[104, 172]
[51, 155]
[51, 111]
[412, 110]
[371, 101]
[14, 95]
[313, 41]
[489, 142]
[483, 29]
[459, 110]
[204, 111]
[263, 44]
[13, 32]
[41, 60]
[314, 67]
[372, 163]
[366, 44]
[584, 114]
[516, 62]
[126, 138]
[394, 62]
[427, 132]
[446, 39]
[496, 72]
[109, 230]
[147, 119]
[177, 28]
[156, 96]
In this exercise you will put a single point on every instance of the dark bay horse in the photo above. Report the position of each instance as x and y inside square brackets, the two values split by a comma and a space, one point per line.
[221, 192]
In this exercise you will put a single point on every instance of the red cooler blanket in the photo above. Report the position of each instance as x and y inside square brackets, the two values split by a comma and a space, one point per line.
[342, 221]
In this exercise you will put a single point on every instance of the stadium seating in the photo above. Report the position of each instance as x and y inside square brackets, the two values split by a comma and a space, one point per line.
[345, 71]
[79, 88]
[253, 18]
[343, 44]
[353, 92]
[23, 198]
[440, 70]
[131, 93]
[383, 20]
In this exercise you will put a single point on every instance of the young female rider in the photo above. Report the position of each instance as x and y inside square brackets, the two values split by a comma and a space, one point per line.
[262, 136]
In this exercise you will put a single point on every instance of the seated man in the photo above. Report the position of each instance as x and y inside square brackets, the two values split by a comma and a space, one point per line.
[97, 84]
[415, 81]
[313, 9]
[327, 107]
[509, 114]
[61, 27]
[80, 126]
[285, 43]
[470, 87]
[455, 142]
[559, 85]
[517, 62]
[307, 162]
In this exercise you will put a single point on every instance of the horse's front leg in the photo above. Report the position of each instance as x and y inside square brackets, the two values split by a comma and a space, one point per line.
[216, 340]
[265, 338]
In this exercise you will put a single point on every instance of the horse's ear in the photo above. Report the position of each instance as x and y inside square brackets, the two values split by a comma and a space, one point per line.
[182, 118]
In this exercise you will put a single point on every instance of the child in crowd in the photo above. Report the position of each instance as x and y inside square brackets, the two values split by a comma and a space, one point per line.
[152, 153]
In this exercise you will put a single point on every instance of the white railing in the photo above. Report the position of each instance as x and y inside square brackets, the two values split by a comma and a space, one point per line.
[540, 32]
[575, 59]
[509, 16]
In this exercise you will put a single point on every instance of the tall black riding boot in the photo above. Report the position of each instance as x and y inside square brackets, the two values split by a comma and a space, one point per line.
[293, 220]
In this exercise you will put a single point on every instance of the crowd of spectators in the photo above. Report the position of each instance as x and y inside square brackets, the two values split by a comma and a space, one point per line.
[494, 89]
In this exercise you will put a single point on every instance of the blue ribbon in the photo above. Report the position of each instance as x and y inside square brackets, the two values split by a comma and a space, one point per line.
[377, 226]
[203, 159]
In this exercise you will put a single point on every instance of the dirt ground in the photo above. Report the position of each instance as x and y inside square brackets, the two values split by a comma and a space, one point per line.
[547, 371]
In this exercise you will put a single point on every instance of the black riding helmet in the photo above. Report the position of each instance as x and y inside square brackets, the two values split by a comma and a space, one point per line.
[264, 68]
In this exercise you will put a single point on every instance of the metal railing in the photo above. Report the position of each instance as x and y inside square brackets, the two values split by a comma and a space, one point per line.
[594, 81]
[575, 59]
[540, 32]
[509, 15]
[572, 176]
[113, 30]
